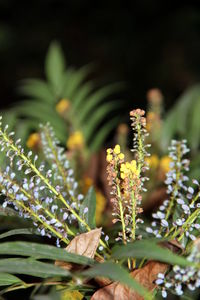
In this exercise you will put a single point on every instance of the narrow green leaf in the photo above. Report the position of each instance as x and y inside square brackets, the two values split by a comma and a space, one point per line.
[168, 129]
[55, 66]
[193, 136]
[8, 279]
[150, 250]
[18, 231]
[101, 135]
[75, 80]
[37, 89]
[81, 95]
[42, 251]
[31, 267]
[97, 97]
[88, 208]
[116, 273]
[95, 119]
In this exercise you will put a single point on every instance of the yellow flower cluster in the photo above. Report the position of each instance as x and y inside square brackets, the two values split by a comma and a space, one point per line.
[129, 169]
[165, 163]
[116, 151]
[62, 106]
[75, 141]
[154, 162]
[100, 199]
[33, 140]
[151, 118]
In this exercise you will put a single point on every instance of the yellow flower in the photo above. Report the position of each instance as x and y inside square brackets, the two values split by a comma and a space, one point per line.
[62, 106]
[117, 149]
[100, 207]
[165, 163]
[128, 169]
[151, 117]
[100, 199]
[75, 141]
[152, 161]
[33, 140]
[109, 151]
[123, 175]
[69, 295]
[123, 168]
[133, 167]
[121, 156]
[109, 157]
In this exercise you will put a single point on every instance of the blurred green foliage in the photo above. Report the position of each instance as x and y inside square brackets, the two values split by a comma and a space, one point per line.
[91, 108]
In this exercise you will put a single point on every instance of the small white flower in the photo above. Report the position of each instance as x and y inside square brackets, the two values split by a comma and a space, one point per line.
[164, 294]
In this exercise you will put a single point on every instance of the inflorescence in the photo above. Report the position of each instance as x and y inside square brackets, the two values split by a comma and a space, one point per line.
[49, 196]
[126, 180]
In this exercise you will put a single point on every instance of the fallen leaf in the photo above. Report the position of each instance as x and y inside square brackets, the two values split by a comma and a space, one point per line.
[146, 276]
[84, 244]
[173, 245]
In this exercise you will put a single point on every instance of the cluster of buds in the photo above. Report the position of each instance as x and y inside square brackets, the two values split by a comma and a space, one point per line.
[126, 179]
[155, 103]
[123, 177]
[182, 202]
[181, 278]
[140, 133]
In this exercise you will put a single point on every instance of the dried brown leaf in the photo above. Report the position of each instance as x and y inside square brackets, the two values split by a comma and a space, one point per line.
[145, 276]
[84, 244]
[173, 246]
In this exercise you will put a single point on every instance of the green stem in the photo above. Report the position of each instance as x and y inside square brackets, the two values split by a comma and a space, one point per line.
[187, 223]
[47, 183]
[176, 187]
[121, 214]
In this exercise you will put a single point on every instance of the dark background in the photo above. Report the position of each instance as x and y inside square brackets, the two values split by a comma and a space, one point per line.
[143, 43]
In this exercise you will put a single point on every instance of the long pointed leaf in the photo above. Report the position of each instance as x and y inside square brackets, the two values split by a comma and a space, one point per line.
[8, 279]
[96, 98]
[102, 134]
[96, 118]
[150, 250]
[37, 89]
[31, 267]
[42, 251]
[116, 273]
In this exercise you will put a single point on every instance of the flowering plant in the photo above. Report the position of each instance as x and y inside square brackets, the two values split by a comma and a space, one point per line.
[137, 260]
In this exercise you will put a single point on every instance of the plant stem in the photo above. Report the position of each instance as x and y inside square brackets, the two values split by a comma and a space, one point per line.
[48, 184]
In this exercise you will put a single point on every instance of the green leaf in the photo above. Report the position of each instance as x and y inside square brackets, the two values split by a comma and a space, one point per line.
[194, 125]
[41, 113]
[31, 267]
[8, 279]
[75, 80]
[37, 89]
[168, 129]
[116, 273]
[81, 95]
[102, 133]
[89, 203]
[95, 99]
[55, 66]
[18, 231]
[42, 251]
[96, 118]
[150, 250]
[180, 120]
